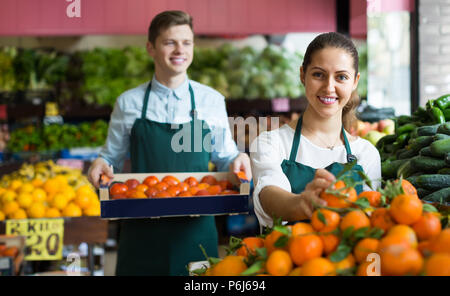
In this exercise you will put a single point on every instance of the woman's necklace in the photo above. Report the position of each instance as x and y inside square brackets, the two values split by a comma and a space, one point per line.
[328, 146]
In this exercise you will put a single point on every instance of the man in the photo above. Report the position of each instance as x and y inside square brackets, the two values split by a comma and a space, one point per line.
[144, 122]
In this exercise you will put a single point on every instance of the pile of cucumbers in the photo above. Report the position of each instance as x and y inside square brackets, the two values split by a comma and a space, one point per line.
[420, 150]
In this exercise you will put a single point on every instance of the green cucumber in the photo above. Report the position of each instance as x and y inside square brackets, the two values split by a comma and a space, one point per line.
[388, 139]
[425, 151]
[413, 180]
[441, 196]
[428, 130]
[418, 143]
[433, 181]
[440, 148]
[427, 164]
[406, 153]
[405, 129]
[447, 158]
[444, 128]
[438, 137]
[444, 171]
[405, 170]
[389, 168]
[423, 192]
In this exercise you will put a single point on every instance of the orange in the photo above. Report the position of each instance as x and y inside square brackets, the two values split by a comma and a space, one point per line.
[363, 269]
[305, 247]
[340, 201]
[203, 186]
[10, 207]
[36, 210]
[173, 190]
[301, 228]
[405, 232]
[374, 197]
[19, 214]
[347, 262]
[318, 267]
[51, 186]
[170, 180]
[427, 227]
[250, 243]
[441, 243]
[424, 248]
[406, 209]
[161, 186]
[52, 213]
[151, 192]
[136, 194]
[408, 188]
[83, 201]
[231, 265]
[295, 272]
[331, 218]
[330, 242]
[193, 190]
[72, 210]
[438, 265]
[381, 218]
[393, 241]
[279, 263]
[364, 247]
[270, 240]
[25, 200]
[357, 219]
[183, 186]
[399, 260]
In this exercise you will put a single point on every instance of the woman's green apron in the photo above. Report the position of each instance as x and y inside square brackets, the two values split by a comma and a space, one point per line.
[165, 246]
[300, 175]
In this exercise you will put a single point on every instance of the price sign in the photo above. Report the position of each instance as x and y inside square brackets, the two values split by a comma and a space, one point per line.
[44, 237]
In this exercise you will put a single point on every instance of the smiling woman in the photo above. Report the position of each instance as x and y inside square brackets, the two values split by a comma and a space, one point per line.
[295, 163]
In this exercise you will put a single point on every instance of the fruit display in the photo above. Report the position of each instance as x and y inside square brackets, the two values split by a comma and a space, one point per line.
[46, 190]
[170, 186]
[55, 137]
[386, 232]
[420, 150]
[373, 132]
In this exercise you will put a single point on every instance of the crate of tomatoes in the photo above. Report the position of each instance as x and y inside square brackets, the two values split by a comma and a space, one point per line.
[155, 195]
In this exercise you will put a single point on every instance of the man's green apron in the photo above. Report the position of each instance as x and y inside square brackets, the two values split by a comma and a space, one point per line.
[300, 175]
[165, 246]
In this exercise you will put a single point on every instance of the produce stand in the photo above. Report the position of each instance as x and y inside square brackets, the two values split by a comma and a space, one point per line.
[77, 230]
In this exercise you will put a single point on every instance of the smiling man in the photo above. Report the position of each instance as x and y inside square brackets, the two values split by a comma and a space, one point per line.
[144, 122]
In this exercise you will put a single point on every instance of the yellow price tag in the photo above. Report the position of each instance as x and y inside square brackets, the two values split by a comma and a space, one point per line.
[44, 237]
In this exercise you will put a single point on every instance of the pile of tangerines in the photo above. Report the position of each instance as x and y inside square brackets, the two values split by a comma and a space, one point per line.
[170, 186]
[386, 232]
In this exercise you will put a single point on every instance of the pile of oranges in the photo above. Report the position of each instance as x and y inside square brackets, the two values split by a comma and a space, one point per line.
[51, 198]
[390, 233]
[170, 186]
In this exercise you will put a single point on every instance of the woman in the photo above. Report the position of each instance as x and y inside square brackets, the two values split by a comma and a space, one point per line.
[293, 164]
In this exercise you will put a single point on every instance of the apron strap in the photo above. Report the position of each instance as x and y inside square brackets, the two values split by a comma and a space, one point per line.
[296, 143]
[147, 95]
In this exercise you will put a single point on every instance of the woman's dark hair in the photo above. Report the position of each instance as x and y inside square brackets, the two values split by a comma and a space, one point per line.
[337, 40]
[165, 20]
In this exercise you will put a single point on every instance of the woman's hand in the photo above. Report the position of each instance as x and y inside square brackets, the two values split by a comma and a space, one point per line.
[310, 196]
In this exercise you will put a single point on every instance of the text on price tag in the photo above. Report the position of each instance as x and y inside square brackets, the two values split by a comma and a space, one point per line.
[44, 237]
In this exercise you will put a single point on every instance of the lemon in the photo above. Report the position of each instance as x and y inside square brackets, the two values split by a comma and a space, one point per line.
[59, 201]
[2, 216]
[36, 210]
[51, 186]
[92, 210]
[72, 210]
[19, 214]
[10, 207]
[52, 213]
[9, 195]
[15, 184]
[25, 200]
[39, 195]
[26, 188]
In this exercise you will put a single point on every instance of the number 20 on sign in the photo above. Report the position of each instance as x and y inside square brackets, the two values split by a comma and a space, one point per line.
[44, 237]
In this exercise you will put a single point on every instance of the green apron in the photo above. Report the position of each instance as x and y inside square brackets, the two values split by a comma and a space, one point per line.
[300, 175]
[165, 246]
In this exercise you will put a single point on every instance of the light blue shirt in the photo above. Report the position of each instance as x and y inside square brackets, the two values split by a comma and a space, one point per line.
[172, 106]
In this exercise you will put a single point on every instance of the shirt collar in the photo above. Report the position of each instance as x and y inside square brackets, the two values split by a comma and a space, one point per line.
[180, 92]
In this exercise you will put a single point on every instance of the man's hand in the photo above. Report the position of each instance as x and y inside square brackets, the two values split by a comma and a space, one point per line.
[99, 167]
[242, 163]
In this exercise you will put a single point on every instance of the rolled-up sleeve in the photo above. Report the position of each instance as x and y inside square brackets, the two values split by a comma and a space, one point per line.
[266, 162]
[118, 140]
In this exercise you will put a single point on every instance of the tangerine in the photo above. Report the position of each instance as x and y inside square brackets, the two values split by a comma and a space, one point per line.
[374, 197]
[301, 228]
[279, 263]
[357, 219]
[305, 247]
[381, 218]
[406, 209]
[331, 219]
[250, 244]
[231, 265]
[427, 227]
[318, 267]
[336, 201]
[364, 247]
[330, 242]
[438, 265]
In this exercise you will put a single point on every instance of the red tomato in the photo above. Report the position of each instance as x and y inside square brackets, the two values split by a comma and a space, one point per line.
[132, 183]
[211, 180]
[118, 188]
[150, 181]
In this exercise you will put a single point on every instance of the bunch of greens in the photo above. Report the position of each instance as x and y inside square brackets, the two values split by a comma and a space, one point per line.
[38, 69]
[7, 79]
[55, 137]
[108, 72]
